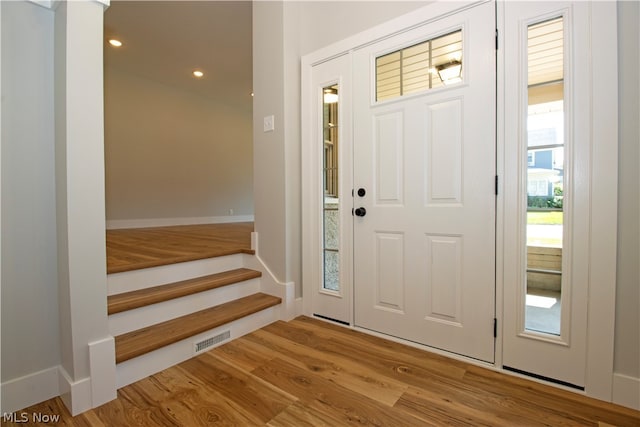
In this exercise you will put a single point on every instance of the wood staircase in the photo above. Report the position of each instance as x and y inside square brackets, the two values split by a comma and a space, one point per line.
[153, 295]
[207, 302]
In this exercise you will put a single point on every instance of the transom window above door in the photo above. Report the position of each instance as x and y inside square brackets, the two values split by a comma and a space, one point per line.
[427, 65]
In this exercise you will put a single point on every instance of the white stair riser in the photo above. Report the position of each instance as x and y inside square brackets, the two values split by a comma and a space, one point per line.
[131, 320]
[148, 364]
[128, 281]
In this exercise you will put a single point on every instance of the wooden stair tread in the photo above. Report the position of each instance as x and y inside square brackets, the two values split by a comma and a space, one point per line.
[177, 259]
[137, 343]
[143, 297]
[135, 249]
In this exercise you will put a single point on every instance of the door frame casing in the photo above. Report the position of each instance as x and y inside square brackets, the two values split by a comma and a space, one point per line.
[601, 304]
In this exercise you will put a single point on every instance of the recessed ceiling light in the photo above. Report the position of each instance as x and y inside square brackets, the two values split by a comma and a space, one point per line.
[198, 73]
[115, 43]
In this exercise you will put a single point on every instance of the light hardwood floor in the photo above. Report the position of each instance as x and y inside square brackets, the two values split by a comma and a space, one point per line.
[311, 373]
[133, 249]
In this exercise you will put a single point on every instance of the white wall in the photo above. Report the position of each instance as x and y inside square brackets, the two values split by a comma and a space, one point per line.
[282, 34]
[323, 23]
[627, 338]
[30, 329]
[173, 154]
[269, 179]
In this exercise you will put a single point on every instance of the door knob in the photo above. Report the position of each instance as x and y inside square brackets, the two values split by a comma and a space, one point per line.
[361, 212]
[361, 192]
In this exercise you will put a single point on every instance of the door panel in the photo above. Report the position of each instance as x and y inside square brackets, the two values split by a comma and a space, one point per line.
[444, 151]
[389, 274]
[389, 169]
[424, 253]
[444, 284]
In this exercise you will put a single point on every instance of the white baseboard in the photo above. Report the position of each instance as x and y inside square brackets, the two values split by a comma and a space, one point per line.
[626, 391]
[299, 307]
[115, 224]
[270, 284]
[28, 390]
[102, 356]
[76, 395]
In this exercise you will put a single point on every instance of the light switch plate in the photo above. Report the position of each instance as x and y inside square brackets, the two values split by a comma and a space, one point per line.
[268, 124]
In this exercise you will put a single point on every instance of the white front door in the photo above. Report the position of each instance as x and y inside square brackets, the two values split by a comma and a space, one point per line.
[424, 163]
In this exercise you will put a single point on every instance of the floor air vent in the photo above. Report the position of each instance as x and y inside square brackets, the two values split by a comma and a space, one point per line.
[211, 341]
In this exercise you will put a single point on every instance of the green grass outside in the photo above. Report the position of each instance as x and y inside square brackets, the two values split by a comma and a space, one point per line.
[544, 218]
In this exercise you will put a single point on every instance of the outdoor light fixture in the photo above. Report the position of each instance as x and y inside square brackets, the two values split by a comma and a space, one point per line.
[198, 74]
[450, 72]
[330, 96]
[115, 43]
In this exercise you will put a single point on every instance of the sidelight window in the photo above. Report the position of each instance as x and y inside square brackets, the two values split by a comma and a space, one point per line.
[545, 176]
[331, 205]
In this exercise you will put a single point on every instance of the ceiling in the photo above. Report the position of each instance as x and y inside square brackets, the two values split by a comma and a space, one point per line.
[165, 41]
[545, 50]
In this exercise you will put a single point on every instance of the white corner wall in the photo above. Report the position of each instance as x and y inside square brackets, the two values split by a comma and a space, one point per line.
[29, 295]
[627, 337]
[269, 177]
[173, 157]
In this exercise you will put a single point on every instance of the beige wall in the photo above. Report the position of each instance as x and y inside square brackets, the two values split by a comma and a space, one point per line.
[172, 154]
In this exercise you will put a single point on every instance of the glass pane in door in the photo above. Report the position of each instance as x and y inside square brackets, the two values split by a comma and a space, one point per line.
[545, 176]
[427, 65]
[331, 206]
